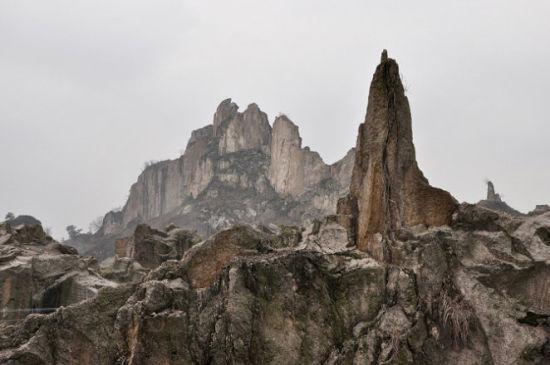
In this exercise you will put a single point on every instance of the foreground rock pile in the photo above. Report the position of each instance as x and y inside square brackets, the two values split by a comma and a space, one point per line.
[374, 284]
[38, 275]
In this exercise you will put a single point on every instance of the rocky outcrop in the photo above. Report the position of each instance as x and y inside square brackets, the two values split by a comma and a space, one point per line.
[474, 292]
[236, 170]
[491, 195]
[540, 209]
[150, 247]
[293, 169]
[38, 275]
[390, 190]
[245, 131]
[24, 220]
[495, 202]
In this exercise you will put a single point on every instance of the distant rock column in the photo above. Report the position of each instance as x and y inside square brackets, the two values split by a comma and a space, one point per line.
[491, 195]
[388, 187]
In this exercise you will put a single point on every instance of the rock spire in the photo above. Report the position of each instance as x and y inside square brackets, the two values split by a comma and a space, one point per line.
[388, 189]
[491, 195]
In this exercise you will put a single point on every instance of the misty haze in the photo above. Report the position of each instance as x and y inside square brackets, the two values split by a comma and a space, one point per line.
[274, 182]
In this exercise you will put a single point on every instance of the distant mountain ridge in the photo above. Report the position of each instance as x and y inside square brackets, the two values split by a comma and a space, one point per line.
[237, 169]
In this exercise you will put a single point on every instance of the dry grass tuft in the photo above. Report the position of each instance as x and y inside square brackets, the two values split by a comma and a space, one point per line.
[395, 343]
[456, 315]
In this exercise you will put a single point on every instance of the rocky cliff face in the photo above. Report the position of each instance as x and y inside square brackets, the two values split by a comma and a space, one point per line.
[387, 186]
[475, 292]
[237, 170]
[150, 247]
[38, 275]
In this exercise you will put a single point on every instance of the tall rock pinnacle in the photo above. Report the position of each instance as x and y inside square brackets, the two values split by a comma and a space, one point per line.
[491, 195]
[387, 188]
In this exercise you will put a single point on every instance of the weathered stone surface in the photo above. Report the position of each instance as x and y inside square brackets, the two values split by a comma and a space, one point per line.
[224, 113]
[390, 189]
[453, 296]
[471, 291]
[540, 209]
[150, 247]
[246, 131]
[293, 169]
[229, 175]
[122, 270]
[38, 274]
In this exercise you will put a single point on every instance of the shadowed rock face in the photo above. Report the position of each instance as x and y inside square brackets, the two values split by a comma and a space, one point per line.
[390, 190]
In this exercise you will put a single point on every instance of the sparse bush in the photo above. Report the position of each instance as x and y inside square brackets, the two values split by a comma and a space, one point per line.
[395, 343]
[453, 313]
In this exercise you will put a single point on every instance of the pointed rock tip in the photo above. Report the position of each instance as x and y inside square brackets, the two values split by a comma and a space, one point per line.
[253, 106]
[283, 122]
[283, 118]
[227, 102]
[384, 56]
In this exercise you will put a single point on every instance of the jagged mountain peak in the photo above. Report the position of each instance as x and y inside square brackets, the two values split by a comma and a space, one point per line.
[237, 169]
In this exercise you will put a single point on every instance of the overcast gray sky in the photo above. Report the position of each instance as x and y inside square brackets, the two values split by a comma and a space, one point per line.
[92, 89]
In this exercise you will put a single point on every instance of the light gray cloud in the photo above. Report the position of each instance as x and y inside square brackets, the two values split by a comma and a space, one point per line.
[92, 89]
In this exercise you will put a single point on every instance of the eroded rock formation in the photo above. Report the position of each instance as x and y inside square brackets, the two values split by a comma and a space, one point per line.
[495, 202]
[471, 289]
[150, 247]
[388, 187]
[236, 170]
[472, 293]
[38, 274]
